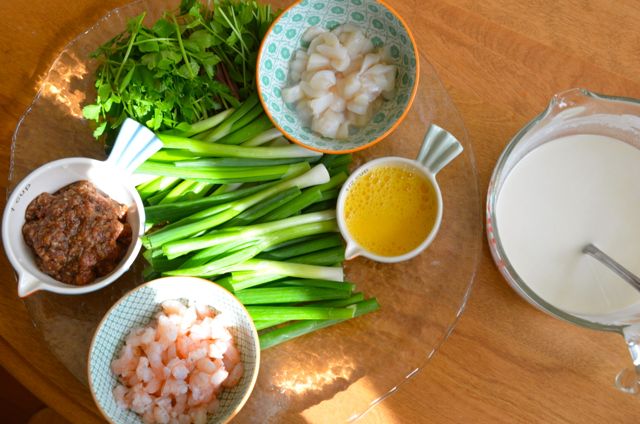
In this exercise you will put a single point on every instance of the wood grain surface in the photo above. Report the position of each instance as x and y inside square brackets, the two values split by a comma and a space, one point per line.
[501, 61]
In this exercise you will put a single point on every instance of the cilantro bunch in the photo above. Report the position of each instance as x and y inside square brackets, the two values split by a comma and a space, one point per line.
[186, 66]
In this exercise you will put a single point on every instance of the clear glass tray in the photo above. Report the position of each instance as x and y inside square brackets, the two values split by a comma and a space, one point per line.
[338, 373]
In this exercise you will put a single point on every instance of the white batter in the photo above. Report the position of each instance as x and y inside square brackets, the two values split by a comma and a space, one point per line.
[562, 195]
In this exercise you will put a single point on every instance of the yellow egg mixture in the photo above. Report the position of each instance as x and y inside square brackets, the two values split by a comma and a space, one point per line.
[390, 209]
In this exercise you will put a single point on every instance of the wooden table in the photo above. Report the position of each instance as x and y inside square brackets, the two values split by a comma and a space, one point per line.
[501, 62]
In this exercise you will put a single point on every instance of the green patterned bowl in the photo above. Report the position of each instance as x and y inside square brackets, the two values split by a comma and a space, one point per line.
[137, 308]
[380, 23]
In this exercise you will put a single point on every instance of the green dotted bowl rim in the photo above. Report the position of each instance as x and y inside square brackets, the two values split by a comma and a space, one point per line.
[378, 137]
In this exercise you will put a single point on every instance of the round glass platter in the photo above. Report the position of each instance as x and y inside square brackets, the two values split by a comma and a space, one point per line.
[336, 374]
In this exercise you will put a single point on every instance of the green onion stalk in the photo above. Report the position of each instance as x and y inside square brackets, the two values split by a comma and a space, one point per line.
[229, 199]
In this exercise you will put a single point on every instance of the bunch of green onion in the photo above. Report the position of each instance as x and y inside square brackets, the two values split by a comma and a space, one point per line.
[229, 199]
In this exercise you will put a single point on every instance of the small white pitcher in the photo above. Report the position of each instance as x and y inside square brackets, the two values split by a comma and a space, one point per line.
[438, 149]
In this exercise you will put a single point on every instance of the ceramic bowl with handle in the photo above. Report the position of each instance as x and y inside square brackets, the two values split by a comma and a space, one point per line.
[134, 144]
[438, 148]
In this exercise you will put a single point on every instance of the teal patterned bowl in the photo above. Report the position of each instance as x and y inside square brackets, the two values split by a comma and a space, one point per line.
[380, 23]
[137, 308]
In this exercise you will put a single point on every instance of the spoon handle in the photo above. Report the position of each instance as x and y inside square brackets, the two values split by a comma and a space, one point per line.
[623, 272]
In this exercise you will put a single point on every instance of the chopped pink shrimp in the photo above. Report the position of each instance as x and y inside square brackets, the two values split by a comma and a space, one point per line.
[197, 354]
[126, 362]
[219, 326]
[213, 405]
[163, 410]
[218, 377]
[180, 404]
[148, 417]
[119, 393]
[178, 369]
[154, 353]
[200, 332]
[201, 389]
[206, 365]
[167, 331]
[143, 372]
[234, 376]
[170, 353]
[153, 386]
[172, 370]
[174, 387]
[199, 415]
[217, 349]
[183, 346]
[161, 415]
[231, 356]
[134, 338]
[203, 310]
[188, 318]
[147, 336]
[141, 402]
[173, 307]
[131, 380]
[184, 419]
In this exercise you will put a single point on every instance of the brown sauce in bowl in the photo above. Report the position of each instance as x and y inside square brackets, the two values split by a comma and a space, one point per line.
[78, 234]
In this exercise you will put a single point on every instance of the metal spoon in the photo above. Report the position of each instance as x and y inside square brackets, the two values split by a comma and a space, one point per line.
[614, 266]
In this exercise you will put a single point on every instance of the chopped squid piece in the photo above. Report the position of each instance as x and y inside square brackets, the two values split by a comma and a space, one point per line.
[309, 92]
[326, 38]
[300, 55]
[359, 104]
[327, 123]
[339, 81]
[322, 80]
[292, 94]
[332, 52]
[349, 86]
[320, 104]
[369, 60]
[312, 32]
[356, 44]
[304, 111]
[341, 64]
[343, 131]
[338, 104]
[317, 61]
[345, 28]
[298, 65]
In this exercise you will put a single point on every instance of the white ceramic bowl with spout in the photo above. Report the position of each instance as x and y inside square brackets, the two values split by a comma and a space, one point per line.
[135, 143]
[439, 147]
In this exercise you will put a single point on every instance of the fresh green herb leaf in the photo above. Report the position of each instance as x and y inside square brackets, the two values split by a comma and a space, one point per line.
[204, 39]
[127, 79]
[168, 73]
[148, 44]
[100, 130]
[91, 112]
[104, 91]
[163, 28]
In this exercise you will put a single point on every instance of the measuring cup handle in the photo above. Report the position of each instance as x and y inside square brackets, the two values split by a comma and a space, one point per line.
[438, 149]
[628, 380]
[135, 144]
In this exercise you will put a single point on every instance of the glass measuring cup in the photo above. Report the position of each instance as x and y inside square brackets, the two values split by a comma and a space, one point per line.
[572, 112]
